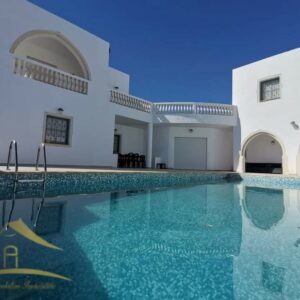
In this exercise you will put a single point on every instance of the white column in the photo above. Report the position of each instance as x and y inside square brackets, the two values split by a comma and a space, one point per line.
[149, 144]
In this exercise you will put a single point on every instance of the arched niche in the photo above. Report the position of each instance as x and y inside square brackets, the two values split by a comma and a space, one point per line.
[52, 49]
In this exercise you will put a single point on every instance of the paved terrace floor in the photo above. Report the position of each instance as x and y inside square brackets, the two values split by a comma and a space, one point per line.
[31, 169]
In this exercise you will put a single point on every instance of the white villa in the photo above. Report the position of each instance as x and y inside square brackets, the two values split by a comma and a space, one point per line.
[57, 87]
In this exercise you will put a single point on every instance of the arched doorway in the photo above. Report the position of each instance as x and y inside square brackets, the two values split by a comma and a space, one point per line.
[263, 152]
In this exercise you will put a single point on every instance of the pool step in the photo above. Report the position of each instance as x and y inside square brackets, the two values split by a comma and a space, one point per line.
[30, 180]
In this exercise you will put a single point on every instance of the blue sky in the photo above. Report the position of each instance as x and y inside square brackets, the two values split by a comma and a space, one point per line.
[178, 50]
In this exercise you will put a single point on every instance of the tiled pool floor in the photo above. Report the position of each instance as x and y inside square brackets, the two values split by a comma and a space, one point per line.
[207, 241]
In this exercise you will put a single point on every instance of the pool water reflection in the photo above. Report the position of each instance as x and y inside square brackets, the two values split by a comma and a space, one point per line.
[210, 241]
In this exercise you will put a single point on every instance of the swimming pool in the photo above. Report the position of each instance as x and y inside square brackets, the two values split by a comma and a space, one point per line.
[215, 240]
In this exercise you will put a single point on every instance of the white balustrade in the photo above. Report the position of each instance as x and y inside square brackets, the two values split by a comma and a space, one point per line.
[130, 101]
[194, 108]
[40, 72]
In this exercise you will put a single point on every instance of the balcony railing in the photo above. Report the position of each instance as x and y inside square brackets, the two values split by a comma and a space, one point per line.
[49, 75]
[130, 101]
[194, 108]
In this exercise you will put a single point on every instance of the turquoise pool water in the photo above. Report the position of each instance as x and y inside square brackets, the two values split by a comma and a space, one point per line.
[208, 241]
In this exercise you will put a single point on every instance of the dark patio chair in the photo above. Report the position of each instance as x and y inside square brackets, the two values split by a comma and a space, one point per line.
[136, 159]
[130, 160]
[142, 161]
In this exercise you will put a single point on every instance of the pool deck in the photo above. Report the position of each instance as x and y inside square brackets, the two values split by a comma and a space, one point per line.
[31, 169]
[102, 178]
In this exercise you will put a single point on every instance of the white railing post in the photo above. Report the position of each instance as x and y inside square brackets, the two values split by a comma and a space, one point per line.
[194, 108]
[130, 101]
[46, 74]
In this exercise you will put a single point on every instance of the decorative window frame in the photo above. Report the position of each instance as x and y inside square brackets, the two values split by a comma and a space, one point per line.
[260, 81]
[61, 116]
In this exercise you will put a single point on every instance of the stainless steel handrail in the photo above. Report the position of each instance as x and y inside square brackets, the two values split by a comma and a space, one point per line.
[13, 143]
[41, 146]
[35, 219]
[16, 181]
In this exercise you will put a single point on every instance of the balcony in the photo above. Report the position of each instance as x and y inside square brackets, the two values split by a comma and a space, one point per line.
[194, 108]
[181, 113]
[41, 72]
[195, 113]
[130, 101]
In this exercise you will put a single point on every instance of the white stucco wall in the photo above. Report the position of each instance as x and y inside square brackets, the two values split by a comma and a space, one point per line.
[51, 51]
[272, 116]
[263, 149]
[161, 143]
[133, 139]
[219, 144]
[24, 102]
[118, 79]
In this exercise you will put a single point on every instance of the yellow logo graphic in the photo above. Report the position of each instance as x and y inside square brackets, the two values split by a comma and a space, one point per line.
[12, 252]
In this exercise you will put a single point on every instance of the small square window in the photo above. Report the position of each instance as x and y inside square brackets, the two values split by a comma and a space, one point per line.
[57, 130]
[270, 89]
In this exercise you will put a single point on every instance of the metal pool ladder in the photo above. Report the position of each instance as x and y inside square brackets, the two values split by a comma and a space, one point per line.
[17, 181]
